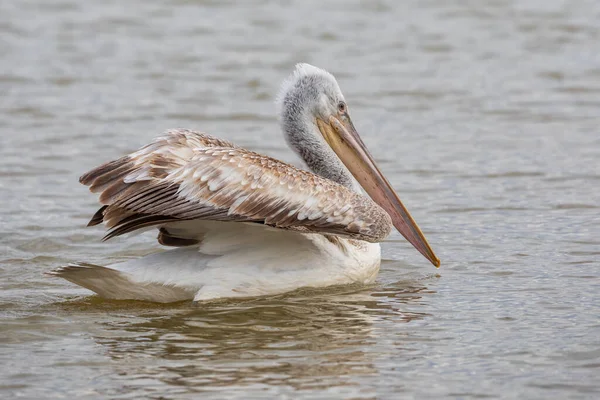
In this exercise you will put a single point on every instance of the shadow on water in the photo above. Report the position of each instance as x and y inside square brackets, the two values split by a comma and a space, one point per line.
[306, 339]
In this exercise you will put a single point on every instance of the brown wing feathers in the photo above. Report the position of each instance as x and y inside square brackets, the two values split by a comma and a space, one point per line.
[166, 239]
[98, 218]
[186, 175]
[132, 203]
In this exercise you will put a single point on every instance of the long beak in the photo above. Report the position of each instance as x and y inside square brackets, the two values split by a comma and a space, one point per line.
[342, 137]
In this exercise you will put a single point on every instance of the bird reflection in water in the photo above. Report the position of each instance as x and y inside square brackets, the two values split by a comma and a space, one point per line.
[305, 340]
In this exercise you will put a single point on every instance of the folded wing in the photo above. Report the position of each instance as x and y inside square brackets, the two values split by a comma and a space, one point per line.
[187, 176]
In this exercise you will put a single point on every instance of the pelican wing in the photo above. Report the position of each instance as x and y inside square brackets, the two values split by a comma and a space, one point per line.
[186, 175]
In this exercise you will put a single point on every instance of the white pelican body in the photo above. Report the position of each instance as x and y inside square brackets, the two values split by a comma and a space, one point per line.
[246, 224]
[233, 261]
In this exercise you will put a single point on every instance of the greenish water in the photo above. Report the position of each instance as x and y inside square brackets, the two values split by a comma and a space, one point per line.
[484, 116]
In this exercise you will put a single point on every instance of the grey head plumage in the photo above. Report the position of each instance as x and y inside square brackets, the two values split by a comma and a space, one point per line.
[307, 94]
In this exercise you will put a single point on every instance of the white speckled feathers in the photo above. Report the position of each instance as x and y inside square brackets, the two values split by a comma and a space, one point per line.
[185, 175]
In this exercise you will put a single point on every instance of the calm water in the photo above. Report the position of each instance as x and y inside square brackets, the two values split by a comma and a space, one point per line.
[484, 115]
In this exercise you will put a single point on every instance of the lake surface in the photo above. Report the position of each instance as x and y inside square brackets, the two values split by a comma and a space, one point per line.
[484, 115]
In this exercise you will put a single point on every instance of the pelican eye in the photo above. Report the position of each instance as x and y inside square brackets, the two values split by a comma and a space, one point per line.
[342, 107]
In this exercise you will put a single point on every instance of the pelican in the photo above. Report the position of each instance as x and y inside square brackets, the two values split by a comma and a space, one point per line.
[245, 224]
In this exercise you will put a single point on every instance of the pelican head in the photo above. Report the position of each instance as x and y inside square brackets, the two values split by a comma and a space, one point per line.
[316, 122]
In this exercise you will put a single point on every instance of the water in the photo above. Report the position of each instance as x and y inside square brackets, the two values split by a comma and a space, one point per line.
[484, 116]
